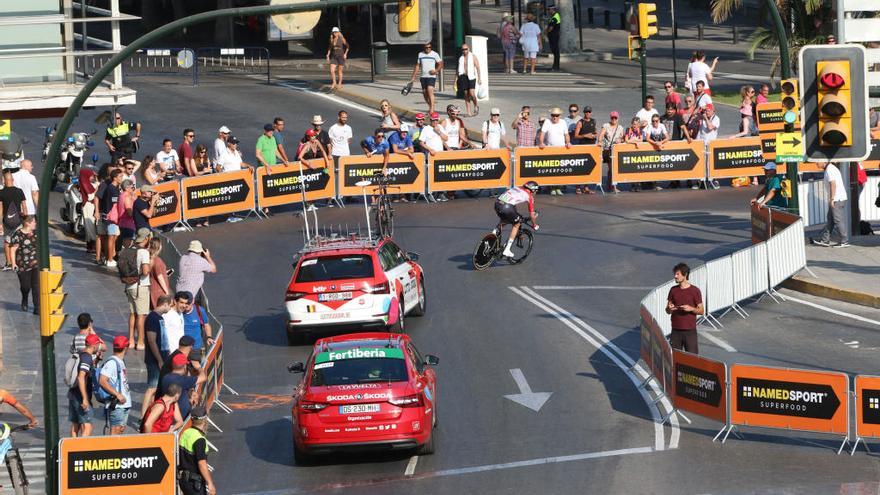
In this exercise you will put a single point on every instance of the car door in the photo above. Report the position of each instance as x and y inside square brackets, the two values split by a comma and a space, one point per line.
[424, 374]
[402, 272]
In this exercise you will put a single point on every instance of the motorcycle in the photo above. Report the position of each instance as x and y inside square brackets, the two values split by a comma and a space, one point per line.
[71, 211]
[72, 153]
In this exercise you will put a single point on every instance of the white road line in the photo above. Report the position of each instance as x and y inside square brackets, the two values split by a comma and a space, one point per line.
[411, 466]
[719, 342]
[334, 99]
[589, 287]
[601, 343]
[833, 311]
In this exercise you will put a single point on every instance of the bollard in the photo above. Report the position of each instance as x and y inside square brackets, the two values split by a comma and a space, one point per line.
[735, 35]
[699, 32]
[590, 15]
[607, 18]
[623, 21]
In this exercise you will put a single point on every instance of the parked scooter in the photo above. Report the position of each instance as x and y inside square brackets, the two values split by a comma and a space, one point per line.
[72, 152]
[71, 210]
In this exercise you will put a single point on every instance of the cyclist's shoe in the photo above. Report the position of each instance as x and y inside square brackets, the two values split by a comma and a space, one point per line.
[507, 253]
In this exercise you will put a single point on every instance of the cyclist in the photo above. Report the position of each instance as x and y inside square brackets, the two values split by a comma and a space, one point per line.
[505, 208]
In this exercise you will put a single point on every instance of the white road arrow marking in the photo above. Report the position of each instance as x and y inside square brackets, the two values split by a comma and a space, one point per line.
[533, 400]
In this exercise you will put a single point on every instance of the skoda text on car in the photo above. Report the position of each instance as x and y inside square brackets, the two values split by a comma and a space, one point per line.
[353, 284]
[364, 391]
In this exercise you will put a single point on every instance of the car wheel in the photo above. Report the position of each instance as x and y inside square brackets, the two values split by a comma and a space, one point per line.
[428, 447]
[420, 308]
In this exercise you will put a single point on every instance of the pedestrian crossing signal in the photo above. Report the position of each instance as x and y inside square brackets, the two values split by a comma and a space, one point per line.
[408, 16]
[52, 298]
[647, 20]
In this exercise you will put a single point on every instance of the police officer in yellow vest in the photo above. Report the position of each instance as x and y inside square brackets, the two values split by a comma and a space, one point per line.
[553, 33]
[193, 476]
[119, 140]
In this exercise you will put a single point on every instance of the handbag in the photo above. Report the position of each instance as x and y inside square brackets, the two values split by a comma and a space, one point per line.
[406, 88]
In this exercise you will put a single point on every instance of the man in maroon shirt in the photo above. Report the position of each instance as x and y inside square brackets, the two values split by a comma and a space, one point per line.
[683, 304]
[185, 153]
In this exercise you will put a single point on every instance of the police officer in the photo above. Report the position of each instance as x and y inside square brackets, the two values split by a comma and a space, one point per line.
[553, 33]
[119, 140]
[193, 476]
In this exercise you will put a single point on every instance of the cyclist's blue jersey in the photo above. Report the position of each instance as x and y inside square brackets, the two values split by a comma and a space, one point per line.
[516, 195]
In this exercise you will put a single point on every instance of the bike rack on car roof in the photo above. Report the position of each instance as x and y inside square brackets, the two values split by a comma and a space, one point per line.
[335, 241]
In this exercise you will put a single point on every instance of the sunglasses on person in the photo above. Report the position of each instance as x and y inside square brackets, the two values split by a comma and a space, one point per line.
[572, 110]
[556, 115]
[668, 86]
[190, 135]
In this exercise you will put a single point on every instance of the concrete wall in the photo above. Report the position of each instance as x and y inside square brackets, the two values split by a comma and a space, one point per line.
[29, 37]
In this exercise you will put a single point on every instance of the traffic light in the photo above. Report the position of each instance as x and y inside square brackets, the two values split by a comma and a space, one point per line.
[647, 20]
[791, 101]
[408, 12]
[835, 102]
[52, 298]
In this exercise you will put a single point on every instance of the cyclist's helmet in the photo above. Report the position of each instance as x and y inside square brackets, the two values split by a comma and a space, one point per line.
[531, 186]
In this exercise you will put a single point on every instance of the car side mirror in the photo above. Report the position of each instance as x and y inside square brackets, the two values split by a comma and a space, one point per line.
[412, 256]
[431, 360]
[296, 368]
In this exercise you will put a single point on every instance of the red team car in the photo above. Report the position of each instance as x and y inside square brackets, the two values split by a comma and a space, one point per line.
[364, 391]
[353, 284]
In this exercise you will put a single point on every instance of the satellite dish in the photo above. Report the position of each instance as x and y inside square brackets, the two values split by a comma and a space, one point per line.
[295, 23]
[363, 183]
[185, 58]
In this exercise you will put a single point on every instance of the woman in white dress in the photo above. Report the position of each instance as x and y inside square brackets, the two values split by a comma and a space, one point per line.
[531, 42]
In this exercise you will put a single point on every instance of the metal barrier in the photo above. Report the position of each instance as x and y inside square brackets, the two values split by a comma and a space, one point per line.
[750, 271]
[719, 292]
[814, 201]
[247, 60]
[787, 251]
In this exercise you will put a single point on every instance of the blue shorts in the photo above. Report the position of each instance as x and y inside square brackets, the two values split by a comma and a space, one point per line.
[76, 414]
[152, 375]
[117, 417]
[427, 81]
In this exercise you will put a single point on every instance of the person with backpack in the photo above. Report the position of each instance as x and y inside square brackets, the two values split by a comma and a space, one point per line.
[23, 252]
[107, 218]
[114, 388]
[164, 415]
[134, 271]
[14, 205]
[77, 373]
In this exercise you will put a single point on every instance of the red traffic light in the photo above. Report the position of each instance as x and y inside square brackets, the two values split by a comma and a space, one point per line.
[832, 80]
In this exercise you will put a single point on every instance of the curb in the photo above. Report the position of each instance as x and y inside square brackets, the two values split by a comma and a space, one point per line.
[812, 286]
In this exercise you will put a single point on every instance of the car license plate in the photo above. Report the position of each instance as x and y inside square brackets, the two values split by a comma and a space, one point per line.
[335, 316]
[335, 296]
[359, 408]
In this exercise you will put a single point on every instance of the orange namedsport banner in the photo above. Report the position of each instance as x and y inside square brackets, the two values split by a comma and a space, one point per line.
[405, 175]
[868, 406]
[469, 169]
[111, 465]
[168, 208]
[217, 194]
[560, 166]
[678, 160]
[792, 399]
[737, 157]
[700, 385]
[281, 186]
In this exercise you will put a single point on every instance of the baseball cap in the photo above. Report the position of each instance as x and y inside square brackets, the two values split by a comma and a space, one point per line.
[92, 339]
[435, 116]
[147, 188]
[186, 341]
[334, 30]
[404, 127]
[119, 342]
[710, 106]
[199, 412]
[615, 114]
[143, 234]
[420, 115]
[232, 140]
[224, 130]
[770, 166]
[588, 109]
[267, 127]
[196, 247]
[179, 360]
[495, 111]
[311, 133]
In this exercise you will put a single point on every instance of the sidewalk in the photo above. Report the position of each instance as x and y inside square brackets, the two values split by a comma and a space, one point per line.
[844, 274]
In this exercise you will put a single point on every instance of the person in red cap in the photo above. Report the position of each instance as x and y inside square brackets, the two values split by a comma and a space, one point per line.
[79, 395]
[114, 381]
[187, 383]
[312, 151]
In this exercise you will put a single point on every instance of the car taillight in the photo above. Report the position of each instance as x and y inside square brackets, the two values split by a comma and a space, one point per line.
[293, 296]
[376, 289]
[311, 406]
[407, 401]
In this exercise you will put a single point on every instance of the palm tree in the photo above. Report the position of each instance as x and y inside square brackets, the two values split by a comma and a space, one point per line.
[807, 22]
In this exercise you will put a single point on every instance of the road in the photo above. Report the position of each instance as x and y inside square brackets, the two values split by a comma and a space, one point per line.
[596, 433]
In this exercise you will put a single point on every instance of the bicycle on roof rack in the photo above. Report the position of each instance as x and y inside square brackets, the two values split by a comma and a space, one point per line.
[384, 212]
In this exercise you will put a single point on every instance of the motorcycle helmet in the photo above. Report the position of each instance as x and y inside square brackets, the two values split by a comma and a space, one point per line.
[11, 153]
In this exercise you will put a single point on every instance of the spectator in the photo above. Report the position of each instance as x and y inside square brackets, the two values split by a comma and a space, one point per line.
[672, 98]
[673, 122]
[509, 34]
[428, 65]
[86, 328]
[202, 161]
[278, 134]
[7, 398]
[138, 291]
[193, 266]
[454, 129]
[144, 207]
[321, 134]
[220, 143]
[416, 133]
[683, 304]
[153, 359]
[709, 125]
[644, 115]
[232, 160]
[571, 121]
[836, 208]
[24, 179]
[129, 170]
[553, 31]
[874, 120]
[525, 129]
[494, 133]
[612, 133]
[763, 94]
[376, 144]
[185, 153]
[114, 381]
[184, 348]
[585, 129]
[656, 133]
[169, 160]
[164, 414]
[25, 263]
[88, 185]
[701, 96]
[153, 174]
[187, 383]
[79, 396]
[119, 140]
[267, 148]
[341, 136]
[747, 125]
[160, 285]
[432, 136]
[635, 134]
[14, 208]
[388, 120]
[699, 72]
[530, 41]
[172, 325]
[772, 190]
[401, 141]
[692, 116]
[468, 79]
[125, 211]
[196, 324]
[337, 52]
[313, 150]
[193, 456]
[554, 132]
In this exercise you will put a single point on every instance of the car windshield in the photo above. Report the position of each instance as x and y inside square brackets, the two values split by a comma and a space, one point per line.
[359, 365]
[335, 268]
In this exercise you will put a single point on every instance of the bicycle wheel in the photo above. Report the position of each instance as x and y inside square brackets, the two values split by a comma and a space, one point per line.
[522, 245]
[16, 472]
[485, 252]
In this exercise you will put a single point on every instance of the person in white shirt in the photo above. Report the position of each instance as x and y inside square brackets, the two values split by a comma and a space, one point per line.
[647, 111]
[432, 136]
[25, 180]
[428, 65]
[836, 208]
[701, 96]
[172, 325]
[232, 160]
[469, 79]
[493, 131]
[169, 160]
[220, 143]
[554, 132]
[698, 71]
[709, 125]
[340, 135]
[530, 41]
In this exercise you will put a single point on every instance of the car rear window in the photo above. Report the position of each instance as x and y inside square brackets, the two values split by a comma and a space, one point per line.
[359, 365]
[335, 268]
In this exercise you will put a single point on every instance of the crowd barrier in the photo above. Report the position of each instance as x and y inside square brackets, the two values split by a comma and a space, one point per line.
[678, 160]
[575, 166]
[469, 169]
[814, 201]
[405, 175]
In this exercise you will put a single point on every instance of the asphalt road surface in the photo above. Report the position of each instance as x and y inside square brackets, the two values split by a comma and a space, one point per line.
[567, 318]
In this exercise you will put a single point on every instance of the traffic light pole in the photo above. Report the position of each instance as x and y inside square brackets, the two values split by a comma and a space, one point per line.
[47, 344]
[643, 61]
